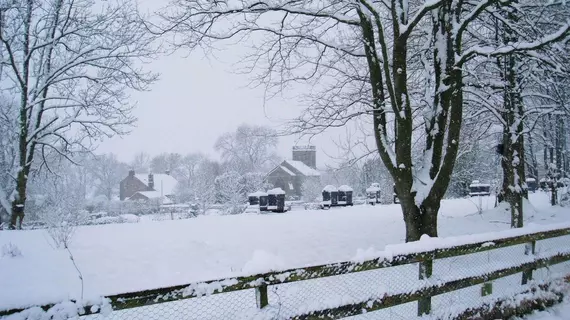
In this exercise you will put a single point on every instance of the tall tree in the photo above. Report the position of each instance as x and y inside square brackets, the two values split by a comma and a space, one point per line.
[108, 172]
[8, 157]
[69, 64]
[516, 74]
[141, 162]
[399, 63]
[194, 172]
[204, 187]
[189, 168]
[167, 162]
[230, 190]
[250, 148]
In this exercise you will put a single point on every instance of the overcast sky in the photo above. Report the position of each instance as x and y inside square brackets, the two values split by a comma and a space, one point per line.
[199, 98]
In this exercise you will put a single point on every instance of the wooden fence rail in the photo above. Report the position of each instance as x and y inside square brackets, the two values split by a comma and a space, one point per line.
[260, 282]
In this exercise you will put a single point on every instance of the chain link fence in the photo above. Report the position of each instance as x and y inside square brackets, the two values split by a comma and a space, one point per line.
[339, 288]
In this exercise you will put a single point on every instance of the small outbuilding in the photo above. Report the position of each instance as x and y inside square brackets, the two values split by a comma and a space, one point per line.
[531, 184]
[330, 196]
[254, 198]
[276, 200]
[345, 195]
[373, 194]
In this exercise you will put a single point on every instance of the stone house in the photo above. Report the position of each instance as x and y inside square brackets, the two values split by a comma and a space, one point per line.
[290, 175]
[148, 187]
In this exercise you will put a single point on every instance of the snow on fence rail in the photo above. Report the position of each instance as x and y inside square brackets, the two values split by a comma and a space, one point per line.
[424, 256]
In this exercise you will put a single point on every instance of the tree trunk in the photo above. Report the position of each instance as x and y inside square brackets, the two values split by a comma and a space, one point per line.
[533, 163]
[512, 161]
[554, 193]
[18, 204]
[421, 219]
[558, 141]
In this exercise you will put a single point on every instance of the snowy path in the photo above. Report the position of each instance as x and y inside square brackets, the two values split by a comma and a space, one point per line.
[128, 257]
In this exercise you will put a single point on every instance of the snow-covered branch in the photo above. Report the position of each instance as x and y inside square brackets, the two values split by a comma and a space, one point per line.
[521, 46]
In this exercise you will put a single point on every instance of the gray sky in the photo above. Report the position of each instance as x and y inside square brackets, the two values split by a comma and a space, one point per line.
[196, 100]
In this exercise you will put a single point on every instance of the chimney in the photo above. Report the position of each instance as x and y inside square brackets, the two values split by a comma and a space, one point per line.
[151, 181]
[131, 173]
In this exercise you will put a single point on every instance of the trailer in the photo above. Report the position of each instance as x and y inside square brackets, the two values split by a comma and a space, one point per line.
[479, 189]
[336, 197]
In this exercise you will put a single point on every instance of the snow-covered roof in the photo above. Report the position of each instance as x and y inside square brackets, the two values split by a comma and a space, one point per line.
[178, 205]
[372, 189]
[330, 188]
[530, 179]
[276, 191]
[303, 168]
[304, 148]
[479, 185]
[162, 182]
[287, 170]
[154, 195]
[344, 188]
[149, 194]
[257, 194]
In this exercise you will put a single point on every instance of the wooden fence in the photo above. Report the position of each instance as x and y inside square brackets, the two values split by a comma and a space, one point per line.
[422, 295]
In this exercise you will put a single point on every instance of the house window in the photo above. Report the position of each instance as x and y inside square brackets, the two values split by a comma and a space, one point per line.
[291, 186]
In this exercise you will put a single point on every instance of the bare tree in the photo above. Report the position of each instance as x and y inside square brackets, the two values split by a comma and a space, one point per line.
[8, 158]
[204, 184]
[230, 189]
[167, 162]
[190, 167]
[399, 63]
[141, 162]
[108, 172]
[69, 64]
[249, 148]
[59, 195]
[512, 83]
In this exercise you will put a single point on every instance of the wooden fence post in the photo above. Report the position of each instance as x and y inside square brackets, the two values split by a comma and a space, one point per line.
[487, 289]
[261, 296]
[528, 250]
[425, 272]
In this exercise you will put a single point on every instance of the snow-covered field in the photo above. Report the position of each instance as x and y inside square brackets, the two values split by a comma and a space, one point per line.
[119, 258]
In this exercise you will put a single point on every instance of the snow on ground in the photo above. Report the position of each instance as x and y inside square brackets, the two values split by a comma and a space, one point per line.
[558, 312]
[119, 258]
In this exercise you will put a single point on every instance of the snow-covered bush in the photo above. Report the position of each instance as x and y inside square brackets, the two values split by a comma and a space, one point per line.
[230, 191]
[312, 205]
[129, 218]
[10, 250]
[117, 207]
[312, 189]
[565, 198]
[96, 204]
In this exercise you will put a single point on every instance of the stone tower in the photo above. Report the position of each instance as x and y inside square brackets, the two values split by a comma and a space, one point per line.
[306, 154]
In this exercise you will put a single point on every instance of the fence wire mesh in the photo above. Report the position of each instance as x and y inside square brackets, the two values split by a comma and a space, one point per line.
[292, 299]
